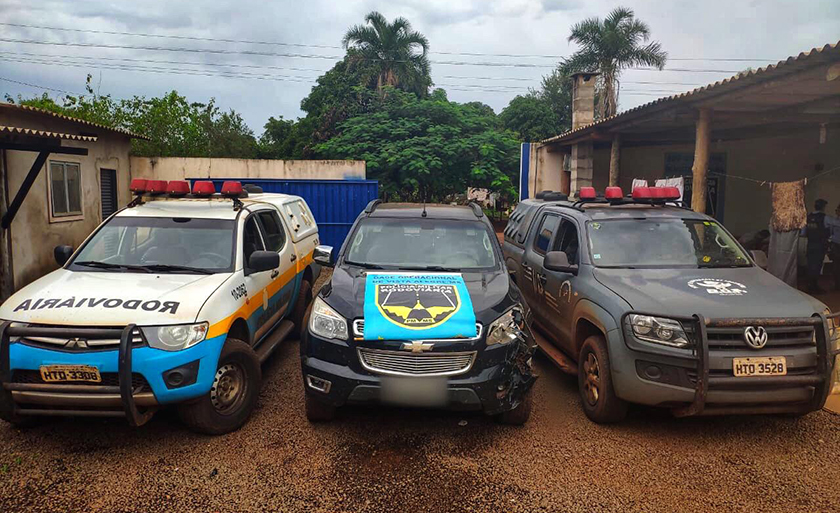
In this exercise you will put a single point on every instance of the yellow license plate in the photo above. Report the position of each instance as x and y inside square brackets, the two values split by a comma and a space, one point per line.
[764, 366]
[61, 373]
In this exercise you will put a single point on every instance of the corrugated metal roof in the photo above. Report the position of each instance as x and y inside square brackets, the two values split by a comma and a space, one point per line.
[74, 120]
[44, 133]
[719, 87]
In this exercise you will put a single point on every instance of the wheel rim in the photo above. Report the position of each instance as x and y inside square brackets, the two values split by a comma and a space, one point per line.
[229, 388]
[591, 379]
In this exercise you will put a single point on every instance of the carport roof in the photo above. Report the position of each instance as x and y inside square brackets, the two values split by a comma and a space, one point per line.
[800, 89]
[27, 108]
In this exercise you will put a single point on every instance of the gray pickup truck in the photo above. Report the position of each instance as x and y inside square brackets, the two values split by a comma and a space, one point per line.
[658, 305]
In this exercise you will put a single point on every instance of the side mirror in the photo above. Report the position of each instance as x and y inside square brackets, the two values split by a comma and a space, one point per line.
[263, 261]
[559, 262]
[62, 254]
[323, 255]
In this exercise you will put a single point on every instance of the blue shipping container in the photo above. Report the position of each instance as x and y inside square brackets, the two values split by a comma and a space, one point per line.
[334, 203]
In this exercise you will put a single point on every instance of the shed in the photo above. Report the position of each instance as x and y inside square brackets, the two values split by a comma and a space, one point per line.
[59, 178]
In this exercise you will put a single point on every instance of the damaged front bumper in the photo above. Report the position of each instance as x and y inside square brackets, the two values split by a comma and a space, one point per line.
[493, 379]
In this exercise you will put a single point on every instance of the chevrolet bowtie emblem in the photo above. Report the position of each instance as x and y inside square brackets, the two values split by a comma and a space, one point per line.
[416, 346]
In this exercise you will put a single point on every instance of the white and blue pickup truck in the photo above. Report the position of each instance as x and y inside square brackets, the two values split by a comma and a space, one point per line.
[176, 299]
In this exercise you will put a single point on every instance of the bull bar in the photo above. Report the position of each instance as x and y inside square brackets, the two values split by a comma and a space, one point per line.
[91, 395]
[820, 380]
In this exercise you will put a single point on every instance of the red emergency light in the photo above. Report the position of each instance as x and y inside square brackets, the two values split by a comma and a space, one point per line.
[232, 189]
[156, 186]
[613, 193]
[138, 186]
[672, 193]
[204, 188]
[178, 188]
[587, 193]
[642, 193]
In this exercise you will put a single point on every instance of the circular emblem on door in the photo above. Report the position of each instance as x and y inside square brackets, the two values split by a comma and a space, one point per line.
[755, 336]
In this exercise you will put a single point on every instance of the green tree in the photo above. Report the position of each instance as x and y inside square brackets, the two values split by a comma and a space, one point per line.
[399, 52]
[427, 149]
[543, 113]
[609, 46]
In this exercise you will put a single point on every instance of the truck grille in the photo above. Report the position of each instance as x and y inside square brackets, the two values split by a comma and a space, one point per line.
[359, 331]
[398, 363]
[112, 379]
[75, 345]
[777, 337]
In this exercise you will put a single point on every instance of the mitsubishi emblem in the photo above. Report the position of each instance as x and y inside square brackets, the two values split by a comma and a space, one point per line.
[78, 343]
[416, 346]
[755, 336]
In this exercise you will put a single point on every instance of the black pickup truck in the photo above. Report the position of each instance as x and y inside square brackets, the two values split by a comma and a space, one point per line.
[487, 369]
[660, 305]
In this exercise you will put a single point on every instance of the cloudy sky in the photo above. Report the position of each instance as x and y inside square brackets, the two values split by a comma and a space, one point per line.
[474, 45]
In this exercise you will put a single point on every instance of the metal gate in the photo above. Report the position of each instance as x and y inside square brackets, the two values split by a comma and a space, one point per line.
[108, 191]
[334, 203]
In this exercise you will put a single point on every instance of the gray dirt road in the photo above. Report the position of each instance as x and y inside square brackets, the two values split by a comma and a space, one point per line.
[403, 460]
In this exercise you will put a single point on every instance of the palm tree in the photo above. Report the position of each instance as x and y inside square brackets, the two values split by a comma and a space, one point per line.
[398, 51]
[608, 47]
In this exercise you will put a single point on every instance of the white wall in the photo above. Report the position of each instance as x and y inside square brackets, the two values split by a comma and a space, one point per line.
[182, 168]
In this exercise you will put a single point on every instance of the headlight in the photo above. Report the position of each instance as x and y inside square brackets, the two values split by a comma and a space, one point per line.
[506, 328]
[659, 330]
[175, 337]
[325, 322]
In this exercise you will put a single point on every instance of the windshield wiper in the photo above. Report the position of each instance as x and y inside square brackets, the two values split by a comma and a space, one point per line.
[106, 265]
[168, 267]
[429, 268]
[366, 266]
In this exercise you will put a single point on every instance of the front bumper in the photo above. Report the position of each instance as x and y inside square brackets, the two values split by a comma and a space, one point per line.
[137, 391]
[496, 381]
[699, 381]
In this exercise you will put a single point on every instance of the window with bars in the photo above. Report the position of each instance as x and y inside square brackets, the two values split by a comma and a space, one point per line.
[65, 189]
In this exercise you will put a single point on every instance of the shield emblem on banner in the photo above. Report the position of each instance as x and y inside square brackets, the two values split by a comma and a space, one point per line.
[417, 306]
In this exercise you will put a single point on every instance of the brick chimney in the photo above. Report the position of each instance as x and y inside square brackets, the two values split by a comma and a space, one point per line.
[583, 99]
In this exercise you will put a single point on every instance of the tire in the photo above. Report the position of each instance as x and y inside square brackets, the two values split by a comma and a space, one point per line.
[233, 396]
[299, 313]
[597, 395]
[318, 411]
[519, 415]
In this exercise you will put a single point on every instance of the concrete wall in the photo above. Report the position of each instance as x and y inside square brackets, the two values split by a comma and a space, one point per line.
[546, 171]
[747, 205]
[180, 168]
[33, 234]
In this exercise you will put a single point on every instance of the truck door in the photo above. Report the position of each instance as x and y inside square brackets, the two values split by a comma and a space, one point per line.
[533, 284]
[560, 288]
[280, 287]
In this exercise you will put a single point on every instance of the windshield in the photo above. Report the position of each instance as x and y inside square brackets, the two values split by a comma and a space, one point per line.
[159, 244]
[663, 243]
[422, 244]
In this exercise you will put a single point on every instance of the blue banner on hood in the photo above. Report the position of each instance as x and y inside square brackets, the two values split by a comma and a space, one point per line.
[417, 306]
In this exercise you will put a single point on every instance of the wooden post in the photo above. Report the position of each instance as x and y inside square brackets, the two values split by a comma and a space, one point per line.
[615, 156]
[701, 161]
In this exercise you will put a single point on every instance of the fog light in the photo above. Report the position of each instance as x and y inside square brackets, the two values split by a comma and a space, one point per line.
[316, 383]
[181, 376]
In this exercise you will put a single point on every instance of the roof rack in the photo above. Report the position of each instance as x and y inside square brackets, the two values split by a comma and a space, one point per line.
[372, 206]
[476, 208]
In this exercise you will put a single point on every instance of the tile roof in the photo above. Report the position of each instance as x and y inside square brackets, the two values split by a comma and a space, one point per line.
[44, 133]
[719, 87]
[74, 120]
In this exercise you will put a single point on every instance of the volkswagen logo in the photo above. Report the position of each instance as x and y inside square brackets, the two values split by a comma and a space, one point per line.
[755, 336]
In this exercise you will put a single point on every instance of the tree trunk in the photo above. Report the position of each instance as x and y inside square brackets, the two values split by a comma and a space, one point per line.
[701, 161]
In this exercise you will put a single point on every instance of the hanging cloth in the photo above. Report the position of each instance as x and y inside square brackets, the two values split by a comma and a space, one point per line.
[789, 217]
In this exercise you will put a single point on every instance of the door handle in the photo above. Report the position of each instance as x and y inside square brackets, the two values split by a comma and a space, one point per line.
[294, 257]
[542, 278]
[275, 273]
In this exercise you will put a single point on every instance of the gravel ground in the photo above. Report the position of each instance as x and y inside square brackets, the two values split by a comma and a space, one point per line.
[415, 460]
